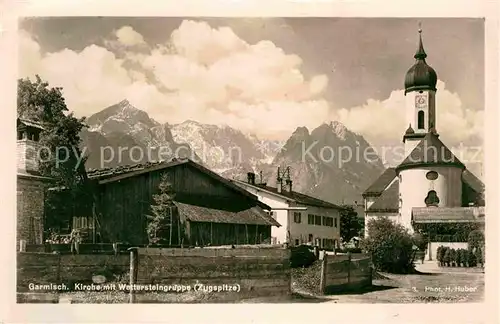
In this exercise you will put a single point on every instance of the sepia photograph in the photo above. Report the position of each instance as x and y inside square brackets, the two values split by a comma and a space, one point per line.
[243, 160]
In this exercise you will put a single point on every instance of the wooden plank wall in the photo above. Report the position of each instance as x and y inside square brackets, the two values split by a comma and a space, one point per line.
[47, 268]
[124, 204]
[257, 272]
[345, 272]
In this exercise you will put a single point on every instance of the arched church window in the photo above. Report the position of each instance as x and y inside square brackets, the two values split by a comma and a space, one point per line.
[420, 122]
[432, 199]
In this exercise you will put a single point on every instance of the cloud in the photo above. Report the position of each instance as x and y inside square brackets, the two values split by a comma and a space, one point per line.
[129, 37]
[213, 76]
[383, 121]
[199, 72]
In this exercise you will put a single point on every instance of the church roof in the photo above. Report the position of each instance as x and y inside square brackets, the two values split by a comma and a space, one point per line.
[420, 76]
[447, 214]
[430, 151]
[381, 183]
[388, 201]
[472, 181]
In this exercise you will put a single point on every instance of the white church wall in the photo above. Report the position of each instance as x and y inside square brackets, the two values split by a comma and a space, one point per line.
[414, 187]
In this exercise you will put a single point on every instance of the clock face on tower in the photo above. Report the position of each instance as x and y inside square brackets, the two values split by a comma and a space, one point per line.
[420, 101]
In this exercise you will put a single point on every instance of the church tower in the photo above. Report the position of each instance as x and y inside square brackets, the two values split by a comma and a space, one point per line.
[430, 176]
[420, 93]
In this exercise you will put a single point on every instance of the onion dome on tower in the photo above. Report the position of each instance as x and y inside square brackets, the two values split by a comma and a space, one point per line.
[420, 76]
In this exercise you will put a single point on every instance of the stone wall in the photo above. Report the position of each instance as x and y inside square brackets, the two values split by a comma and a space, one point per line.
[30, 208]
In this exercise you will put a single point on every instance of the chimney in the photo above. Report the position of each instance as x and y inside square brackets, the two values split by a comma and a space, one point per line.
[288, 185]
[251, 178]
[279, 181]
[28, 145]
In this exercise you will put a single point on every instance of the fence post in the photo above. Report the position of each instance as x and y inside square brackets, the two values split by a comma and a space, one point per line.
[349, 257]
[322, 283]
[134, 261]
[22, 245]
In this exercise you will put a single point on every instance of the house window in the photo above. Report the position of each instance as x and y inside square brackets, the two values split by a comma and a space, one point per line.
[310, 219]
[335, 220]
[296, 217]
[310, 239]
[420, 118]
[317, 220]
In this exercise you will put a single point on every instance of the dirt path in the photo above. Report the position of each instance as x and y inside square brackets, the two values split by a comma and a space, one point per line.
[424, 288]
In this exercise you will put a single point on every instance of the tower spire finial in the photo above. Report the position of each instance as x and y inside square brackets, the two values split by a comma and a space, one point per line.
[420, 54]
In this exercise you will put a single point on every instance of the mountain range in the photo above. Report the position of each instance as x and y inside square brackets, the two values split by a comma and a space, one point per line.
[123, 134]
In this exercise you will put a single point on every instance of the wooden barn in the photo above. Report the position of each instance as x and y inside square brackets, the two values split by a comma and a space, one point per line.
[209, 209]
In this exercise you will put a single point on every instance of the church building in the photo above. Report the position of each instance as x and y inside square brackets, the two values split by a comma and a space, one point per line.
[430, 186]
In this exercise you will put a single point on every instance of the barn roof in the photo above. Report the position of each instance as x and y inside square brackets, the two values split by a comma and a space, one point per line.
[388, 200]
[447, 214]
[381, 183]
[430, 151]
[251, 216]
[108, 175]
[293, 196]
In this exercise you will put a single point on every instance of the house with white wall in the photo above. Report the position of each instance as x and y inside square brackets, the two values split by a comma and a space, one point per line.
[303, 219]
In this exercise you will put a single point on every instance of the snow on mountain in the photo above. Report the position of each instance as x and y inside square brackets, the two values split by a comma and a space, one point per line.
[315, 157]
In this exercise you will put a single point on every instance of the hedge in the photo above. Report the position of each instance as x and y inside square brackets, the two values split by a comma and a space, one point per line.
[448, 257]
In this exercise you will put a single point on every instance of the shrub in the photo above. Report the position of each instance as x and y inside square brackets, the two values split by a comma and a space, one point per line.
[472, 261]
[463, 257]
[479, 256]
[301, 256]
[453, 257]
[420, 241]
[447, 256]
[476, 239]
[390, 245]
[440, 255]
[458, 258]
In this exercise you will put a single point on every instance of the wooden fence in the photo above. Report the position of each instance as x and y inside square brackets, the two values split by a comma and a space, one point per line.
[345, 272]
[228, 274]
[46, 270]
[242, 272]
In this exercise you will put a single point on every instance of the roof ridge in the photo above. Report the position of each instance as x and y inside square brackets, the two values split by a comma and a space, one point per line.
[441, 154]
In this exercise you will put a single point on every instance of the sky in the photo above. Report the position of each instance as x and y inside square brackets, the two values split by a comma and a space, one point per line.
[265, 76]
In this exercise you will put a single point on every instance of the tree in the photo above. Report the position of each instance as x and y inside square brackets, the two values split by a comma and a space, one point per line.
[160, 223]
[61, 158]
[60, 154]
[351, 224]
[390, 245]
